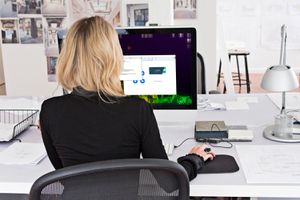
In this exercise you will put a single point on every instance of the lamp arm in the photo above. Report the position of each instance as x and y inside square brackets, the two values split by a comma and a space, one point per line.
[283, 111]
[282, 60]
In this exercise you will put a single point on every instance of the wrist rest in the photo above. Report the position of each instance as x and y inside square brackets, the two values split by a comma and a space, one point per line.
[220, 164]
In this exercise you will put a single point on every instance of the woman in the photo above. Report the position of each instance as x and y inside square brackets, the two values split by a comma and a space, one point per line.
[97, 121]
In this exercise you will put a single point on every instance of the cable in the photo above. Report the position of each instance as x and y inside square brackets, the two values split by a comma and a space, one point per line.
[176, 146]
[221, 146]
[213, 141]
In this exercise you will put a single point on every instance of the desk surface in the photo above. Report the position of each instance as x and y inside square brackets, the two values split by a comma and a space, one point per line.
[175, 126]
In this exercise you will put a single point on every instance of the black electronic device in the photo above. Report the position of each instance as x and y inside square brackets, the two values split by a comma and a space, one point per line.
[210, 129]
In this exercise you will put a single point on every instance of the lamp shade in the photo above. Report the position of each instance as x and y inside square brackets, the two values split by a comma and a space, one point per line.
[279, 78]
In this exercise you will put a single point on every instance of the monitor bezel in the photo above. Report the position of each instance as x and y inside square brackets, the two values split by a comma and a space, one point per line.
[193, 80]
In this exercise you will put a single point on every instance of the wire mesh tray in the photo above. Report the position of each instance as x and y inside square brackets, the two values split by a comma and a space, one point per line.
[15, 121]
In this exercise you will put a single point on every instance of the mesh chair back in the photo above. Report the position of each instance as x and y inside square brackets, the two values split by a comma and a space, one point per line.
[130, 179]
[201, 86]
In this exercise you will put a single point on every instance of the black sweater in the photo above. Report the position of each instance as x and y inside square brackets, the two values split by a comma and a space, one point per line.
[79, 128]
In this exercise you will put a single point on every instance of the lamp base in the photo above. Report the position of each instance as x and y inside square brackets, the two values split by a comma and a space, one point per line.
[269, 134]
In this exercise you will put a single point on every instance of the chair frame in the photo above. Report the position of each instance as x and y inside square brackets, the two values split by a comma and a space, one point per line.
[113, 165]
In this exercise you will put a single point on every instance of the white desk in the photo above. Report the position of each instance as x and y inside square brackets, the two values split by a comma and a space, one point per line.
[175, 126]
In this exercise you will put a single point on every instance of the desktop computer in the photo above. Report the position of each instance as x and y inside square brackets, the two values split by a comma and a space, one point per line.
[160, 65]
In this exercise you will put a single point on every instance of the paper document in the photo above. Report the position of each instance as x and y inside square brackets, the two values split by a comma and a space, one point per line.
[6, 131]
[270, 163]
[292, 100]
[20, 153]
[236, 105]
[248, 99]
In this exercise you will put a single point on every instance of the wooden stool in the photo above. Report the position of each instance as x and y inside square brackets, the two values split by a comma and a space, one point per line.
[237, 53]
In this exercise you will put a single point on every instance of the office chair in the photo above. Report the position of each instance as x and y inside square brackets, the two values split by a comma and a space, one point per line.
[201, 84]
[128, 179]
[201, 87]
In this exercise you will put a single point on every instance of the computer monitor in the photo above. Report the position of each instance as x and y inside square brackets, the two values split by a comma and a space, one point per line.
[160, 65]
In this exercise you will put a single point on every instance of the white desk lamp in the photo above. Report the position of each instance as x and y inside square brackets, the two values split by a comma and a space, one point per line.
[280, 78]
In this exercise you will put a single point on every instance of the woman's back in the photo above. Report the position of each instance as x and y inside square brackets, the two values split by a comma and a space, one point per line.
[83, 129]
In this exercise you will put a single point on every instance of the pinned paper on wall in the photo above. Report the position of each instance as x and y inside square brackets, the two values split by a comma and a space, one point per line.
[51, 68]
[137, 14]
[185, 9]
[31, 30]
[9, 31]
[29, 7]
[249, 8]
[293, 7]
[273, 7]
[226, 7]
[54, 8]
[8, 9]
[52, 27]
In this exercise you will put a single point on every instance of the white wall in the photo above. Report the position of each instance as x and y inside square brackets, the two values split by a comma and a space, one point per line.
[257, 23]
[25, 69]
[25, 65]
[206, 25]
[161, 12]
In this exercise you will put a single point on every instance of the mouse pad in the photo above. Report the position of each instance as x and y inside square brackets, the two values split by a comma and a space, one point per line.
[220, 164]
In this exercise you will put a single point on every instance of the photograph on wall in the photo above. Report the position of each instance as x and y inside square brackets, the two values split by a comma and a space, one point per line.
[100, 7]
[78, 10]
[53, 26]
[137, 14]
[9, 31]
[185, 9]
[109, 10]
[8, 9]
[54, 7]
[31, 30]
[51, 68]
[29, 6]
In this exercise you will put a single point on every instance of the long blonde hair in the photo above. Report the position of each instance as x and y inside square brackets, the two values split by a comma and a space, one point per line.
[91, 57]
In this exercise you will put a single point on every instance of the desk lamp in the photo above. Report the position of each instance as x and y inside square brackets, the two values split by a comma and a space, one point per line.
[280, 78]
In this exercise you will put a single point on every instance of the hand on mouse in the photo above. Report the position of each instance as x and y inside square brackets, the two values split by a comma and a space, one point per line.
[202, 150]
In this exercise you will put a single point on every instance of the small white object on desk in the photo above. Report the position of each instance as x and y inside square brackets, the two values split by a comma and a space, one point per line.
[20, 153]
[169, 149]
[240, 135]
[236, 105]
[248, 99]
[205, 105]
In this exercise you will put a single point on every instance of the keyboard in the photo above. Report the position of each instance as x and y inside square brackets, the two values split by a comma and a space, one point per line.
[169, 149]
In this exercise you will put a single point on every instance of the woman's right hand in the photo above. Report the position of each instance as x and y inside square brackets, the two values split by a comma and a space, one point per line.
[200, 150]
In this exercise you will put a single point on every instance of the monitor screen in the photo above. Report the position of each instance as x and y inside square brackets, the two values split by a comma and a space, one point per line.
[160, 65]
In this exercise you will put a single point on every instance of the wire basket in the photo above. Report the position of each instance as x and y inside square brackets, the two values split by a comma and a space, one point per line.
[15, 121]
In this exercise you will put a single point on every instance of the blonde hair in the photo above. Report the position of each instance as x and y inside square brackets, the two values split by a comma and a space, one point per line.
[91, 57]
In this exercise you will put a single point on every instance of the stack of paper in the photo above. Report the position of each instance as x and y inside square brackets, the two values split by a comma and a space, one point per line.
[23, 154]
[6, 132]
